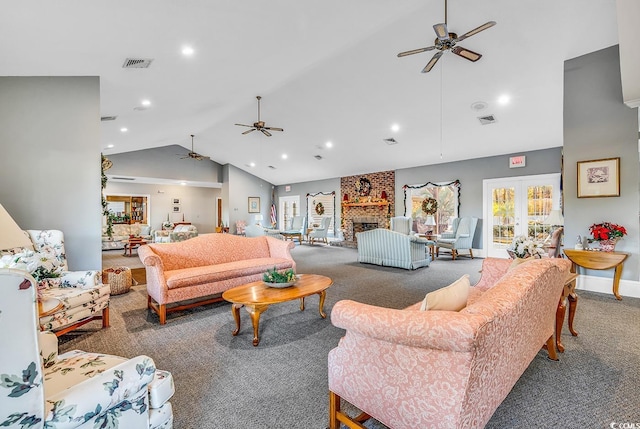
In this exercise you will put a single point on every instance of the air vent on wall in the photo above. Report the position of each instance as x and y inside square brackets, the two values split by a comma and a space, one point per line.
[486, 120]
[318, 157]
[272, 167]
[390, 141]
[136, 63]
[108, 118]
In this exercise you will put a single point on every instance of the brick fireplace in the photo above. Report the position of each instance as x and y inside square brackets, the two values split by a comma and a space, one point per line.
[367, 207]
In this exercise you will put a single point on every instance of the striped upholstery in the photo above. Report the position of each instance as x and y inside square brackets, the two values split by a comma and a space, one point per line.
[402, 224]
[462, 238]
[393, 249]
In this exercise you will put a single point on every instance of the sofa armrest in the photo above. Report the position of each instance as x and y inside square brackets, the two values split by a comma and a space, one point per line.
[81, 279]
[118, 386]
[154, 267]
[48, 343]
[443, 330]
[280, 248]
[492, 270]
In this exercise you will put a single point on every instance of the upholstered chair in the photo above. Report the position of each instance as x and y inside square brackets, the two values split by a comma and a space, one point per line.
[298, 227]
[461, 238]
[254, 231]
[77, 389]
[321, 232]
[402, 224]
[555, 247]
[74, 298]
[240, 227]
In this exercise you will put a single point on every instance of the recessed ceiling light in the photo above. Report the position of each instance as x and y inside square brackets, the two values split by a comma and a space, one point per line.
[187, 51]
[183, 183]
[395, 128]
[110, 146]
[146, 103]
[252, 164]
[285, 156]
[124, 130]
[328, 144]
[504, 99]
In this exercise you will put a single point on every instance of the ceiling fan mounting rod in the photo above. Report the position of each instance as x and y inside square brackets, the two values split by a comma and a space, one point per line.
[259, 98]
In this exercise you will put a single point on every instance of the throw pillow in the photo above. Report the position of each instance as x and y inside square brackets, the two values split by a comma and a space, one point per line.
[449, 298]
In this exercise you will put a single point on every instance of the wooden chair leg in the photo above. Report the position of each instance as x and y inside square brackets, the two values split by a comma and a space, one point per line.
[471, 253]
[454, 253]
[334, 409]
[551, 349]
[105, 317]
[162, 313]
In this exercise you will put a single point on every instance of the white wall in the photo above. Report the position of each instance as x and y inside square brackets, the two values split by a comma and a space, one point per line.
[50, 162]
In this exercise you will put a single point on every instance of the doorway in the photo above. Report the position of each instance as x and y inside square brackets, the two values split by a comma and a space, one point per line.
[515, 206]
[288, 207]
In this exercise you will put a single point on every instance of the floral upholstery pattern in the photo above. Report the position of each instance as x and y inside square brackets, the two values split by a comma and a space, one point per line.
[39, 388]
[179, 233]
[121, 233]
[444, 369]
[82, 294]
[209, 264]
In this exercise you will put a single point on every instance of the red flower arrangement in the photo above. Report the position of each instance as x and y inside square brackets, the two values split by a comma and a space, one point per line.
[607, 231]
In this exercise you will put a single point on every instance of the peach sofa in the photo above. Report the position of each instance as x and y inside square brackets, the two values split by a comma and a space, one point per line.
[443, 369]
[207, 265]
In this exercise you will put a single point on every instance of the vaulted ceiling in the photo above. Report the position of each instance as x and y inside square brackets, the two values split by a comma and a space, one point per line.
[327, 72]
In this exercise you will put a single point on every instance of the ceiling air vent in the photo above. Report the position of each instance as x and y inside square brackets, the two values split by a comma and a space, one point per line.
[136, 63]
[390, 141]
[318, 157]
[486, 120]
[272, 167]
[108, 118]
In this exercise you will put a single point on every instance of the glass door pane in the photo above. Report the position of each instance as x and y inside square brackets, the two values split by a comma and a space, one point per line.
[503, 219]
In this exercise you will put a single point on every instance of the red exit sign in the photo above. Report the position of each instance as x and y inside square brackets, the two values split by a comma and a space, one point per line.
[517, 161]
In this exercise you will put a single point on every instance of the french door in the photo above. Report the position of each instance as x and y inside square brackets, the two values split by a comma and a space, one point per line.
[515, 206]
[288, 207]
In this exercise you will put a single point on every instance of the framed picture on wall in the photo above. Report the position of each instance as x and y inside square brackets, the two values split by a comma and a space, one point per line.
[176, 201]
[599, 178]
[254, 204]
[176, 208]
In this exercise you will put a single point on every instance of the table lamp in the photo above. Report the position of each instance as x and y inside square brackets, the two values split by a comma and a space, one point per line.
[10, 233]
[555, 218]
[259, 219]
[430, 222]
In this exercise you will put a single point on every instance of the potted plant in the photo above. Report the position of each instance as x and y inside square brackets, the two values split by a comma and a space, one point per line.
[607, 234]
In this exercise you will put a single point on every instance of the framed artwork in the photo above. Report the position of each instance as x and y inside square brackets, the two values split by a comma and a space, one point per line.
[254, 204]
[176, 208]
[599, 178]
[176, 201]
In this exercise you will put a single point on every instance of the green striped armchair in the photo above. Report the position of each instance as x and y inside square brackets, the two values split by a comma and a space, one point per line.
[392, 249]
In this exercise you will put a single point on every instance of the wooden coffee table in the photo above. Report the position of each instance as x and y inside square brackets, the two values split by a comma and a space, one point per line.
[257, 297]
[133, 243]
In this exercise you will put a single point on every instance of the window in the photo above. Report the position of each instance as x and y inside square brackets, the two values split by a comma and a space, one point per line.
[447, 197]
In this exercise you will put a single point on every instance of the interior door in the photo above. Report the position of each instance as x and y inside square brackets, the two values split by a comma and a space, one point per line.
[517, 206]
[288, 207]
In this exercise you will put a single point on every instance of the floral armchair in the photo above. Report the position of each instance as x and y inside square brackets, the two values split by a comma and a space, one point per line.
[71, 299]
[39, 388]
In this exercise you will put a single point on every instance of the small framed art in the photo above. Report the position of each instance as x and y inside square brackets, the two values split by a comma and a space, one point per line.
[254, 204]
[599, 178]
[176, 201]
[176, 208]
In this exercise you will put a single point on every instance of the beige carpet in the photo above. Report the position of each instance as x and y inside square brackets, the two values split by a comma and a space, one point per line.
[115, 258]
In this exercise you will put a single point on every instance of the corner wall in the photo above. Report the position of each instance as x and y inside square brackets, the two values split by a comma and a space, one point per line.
[50, 163]
[598, 125]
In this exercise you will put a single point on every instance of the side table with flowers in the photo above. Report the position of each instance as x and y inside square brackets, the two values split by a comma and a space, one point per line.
[607, 234]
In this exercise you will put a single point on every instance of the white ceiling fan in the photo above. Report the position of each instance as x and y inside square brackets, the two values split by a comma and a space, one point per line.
[194, 155]
[446, 41]
[259, 125]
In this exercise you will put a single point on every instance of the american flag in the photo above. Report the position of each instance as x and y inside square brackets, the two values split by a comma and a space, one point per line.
[274, 216]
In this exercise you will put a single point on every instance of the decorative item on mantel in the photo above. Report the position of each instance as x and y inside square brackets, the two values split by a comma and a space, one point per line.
[607, 234]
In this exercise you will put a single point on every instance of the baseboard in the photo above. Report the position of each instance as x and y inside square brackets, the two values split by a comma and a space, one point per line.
[629, 288]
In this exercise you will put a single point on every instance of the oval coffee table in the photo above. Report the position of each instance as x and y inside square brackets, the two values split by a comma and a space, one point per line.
[257, 297]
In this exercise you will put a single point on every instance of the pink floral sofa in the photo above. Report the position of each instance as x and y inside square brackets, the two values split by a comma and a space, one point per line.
[445, 369]
[207, 265]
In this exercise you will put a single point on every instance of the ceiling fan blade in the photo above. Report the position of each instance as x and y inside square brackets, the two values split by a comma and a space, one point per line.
[248, 131]
[265, 132]
[432, 62]
[441, 31]
[243, 125]
[272, 128]
[415, 51]
[467, 54]
[476, 30]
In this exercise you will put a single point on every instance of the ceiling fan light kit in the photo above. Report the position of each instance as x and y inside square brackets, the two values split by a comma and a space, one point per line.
[446, 41]
[259, 125]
